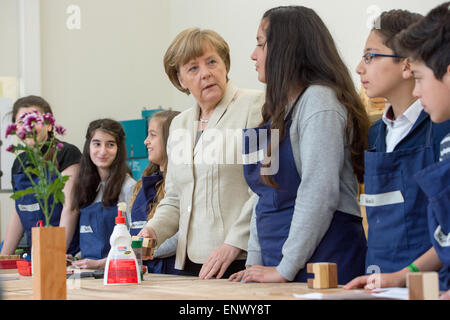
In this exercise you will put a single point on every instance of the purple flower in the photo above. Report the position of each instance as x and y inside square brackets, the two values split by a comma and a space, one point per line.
[22, 134]
[11, 129]
[60, 146]
[48, 118]
[60, 129]
[11, 148]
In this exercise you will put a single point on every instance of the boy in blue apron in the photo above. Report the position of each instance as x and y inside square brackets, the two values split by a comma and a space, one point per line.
[298, 162]
[27, 210]
[396, 203]
[150, 190]
[103, 181]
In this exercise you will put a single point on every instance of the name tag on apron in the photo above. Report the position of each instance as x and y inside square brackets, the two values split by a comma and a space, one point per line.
[29, 207]
[138, 224]
[381, 199]
[442, 238]
[86, 229]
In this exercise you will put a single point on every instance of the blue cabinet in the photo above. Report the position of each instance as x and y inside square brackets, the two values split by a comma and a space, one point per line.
[136, 132]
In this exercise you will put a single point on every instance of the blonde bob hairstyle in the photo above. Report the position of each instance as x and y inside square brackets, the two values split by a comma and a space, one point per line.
[190, 44]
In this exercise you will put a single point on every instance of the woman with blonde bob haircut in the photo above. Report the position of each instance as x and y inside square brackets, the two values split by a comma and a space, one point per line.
[207, 200]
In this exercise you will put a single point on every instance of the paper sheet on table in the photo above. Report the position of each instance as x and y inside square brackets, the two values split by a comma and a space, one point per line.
[391, 293]
[385, 293]
[343, 295]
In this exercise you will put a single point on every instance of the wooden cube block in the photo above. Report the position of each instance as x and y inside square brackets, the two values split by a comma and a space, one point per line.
[148, 247]
[325, 275]
[423, 285]
[148, 243]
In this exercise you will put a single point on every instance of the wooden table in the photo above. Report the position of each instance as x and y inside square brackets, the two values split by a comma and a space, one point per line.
[173, 287]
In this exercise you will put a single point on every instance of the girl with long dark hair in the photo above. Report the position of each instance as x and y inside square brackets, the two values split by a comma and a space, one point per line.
[306, 177]
[103, 181]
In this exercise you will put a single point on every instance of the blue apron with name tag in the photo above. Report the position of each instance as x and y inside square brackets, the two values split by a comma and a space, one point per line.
[435, 183]
[344, 243]
[395, 205]
[140, 208]
[96, 226]
[30, 213]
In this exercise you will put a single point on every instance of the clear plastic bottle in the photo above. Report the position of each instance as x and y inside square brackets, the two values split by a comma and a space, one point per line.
[121, 266]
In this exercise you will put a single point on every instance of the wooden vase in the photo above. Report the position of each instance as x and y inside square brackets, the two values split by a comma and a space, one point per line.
[49, 263]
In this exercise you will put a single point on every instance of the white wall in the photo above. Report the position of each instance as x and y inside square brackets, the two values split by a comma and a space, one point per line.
[112, 65]
[237, 21]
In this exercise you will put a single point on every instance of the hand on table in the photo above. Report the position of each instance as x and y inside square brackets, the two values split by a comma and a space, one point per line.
[258, 273]
[218, 261]
[378, 280]
[446, 295]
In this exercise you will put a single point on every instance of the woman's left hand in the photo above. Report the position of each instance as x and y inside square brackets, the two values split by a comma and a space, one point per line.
[218, 261]
[260, 273]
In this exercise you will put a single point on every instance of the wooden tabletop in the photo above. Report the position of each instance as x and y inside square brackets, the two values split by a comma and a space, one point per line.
[173, 287]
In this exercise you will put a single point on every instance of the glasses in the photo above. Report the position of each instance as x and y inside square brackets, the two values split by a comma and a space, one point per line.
[369, 56]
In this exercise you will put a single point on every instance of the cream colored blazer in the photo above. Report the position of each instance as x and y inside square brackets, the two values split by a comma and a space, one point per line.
[206, 196]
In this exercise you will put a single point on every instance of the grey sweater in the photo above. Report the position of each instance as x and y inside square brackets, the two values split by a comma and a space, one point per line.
[327, 183]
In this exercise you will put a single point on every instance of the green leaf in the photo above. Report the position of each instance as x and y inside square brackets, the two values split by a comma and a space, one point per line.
[21, 193]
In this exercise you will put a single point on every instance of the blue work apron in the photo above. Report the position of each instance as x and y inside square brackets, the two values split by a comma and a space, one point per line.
[96, 226]
[140, 208]
[395, 205]
[344, 243]
[435, 183]
[30, 212]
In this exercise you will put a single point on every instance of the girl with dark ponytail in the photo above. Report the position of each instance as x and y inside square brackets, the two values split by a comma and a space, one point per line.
[307, 176]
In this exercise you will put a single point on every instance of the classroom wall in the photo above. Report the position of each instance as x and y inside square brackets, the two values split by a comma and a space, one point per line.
[111, 66]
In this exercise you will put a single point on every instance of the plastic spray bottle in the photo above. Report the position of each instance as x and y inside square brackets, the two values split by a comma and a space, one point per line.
[121, 265]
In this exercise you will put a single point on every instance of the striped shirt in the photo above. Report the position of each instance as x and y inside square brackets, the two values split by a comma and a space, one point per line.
[445, 148]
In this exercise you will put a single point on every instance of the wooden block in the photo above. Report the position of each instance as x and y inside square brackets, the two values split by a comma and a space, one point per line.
[148, 243]
[423, 285]
[325, 275]
[49, 263]
[148, 248]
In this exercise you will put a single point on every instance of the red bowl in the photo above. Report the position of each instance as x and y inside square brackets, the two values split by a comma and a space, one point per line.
[24, 267]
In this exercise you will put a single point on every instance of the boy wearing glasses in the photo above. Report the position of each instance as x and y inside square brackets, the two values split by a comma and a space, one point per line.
[426, 44]
[401, 144]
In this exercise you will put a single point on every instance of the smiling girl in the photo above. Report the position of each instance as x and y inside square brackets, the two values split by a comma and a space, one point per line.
[149, 191]
[103, 181]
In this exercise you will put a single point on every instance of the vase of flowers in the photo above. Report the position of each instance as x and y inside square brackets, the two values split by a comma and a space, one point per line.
[46, 185]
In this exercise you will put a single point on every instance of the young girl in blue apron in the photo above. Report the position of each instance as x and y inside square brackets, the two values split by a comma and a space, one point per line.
[304, 161]
[27, 212]
[149, 190]
[429, 59]
[103, 181]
